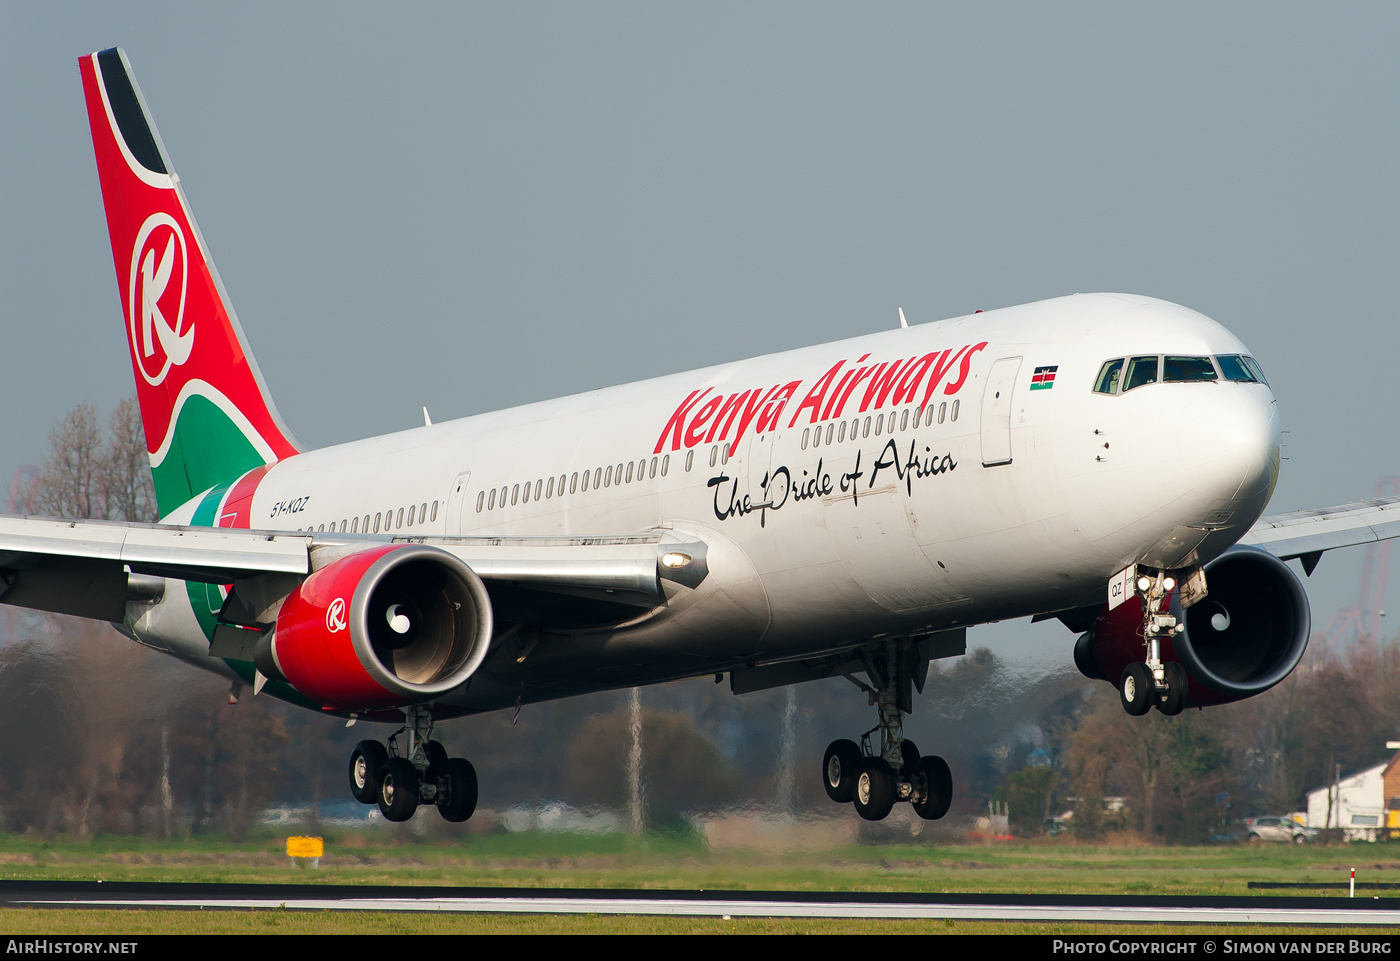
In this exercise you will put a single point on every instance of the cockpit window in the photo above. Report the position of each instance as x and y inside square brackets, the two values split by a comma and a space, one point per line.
[1109, 376]
[1141, 370]
[1255, 369]
[1241, 368]
[1187, 369]
[1234, 369]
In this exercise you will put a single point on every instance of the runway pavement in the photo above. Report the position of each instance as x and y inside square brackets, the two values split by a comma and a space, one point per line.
[321, 897]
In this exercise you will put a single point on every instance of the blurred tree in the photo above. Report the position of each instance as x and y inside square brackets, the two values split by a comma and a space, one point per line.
[129, 493]
[1027, 794]
[72, 478]
[86, 475]
[681, 769]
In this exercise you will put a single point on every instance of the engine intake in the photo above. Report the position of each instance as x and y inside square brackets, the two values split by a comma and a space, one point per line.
[1250, 631]
[1245, 636]
[383, 627]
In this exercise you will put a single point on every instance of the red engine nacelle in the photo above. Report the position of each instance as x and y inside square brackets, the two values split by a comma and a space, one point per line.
[1244, 637]
[384, 627]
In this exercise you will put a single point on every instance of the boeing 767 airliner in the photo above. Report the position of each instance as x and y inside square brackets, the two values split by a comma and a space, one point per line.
[847, 509]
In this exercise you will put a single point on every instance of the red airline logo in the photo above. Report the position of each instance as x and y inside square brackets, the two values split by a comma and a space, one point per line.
[156, 298]
[703, 417]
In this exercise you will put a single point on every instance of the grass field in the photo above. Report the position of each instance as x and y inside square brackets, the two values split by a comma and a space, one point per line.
[19, 923]
[612, 861]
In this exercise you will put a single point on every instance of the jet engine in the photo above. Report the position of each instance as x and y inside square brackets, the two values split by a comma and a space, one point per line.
[1247, 634]
[383, 627]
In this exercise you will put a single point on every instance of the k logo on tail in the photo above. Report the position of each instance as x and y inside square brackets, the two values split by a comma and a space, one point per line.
[158, 257]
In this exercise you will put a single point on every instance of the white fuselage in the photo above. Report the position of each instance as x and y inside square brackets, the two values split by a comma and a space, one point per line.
[984, 499]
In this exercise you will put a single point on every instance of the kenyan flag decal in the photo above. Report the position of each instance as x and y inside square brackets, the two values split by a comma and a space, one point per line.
[1043, 378]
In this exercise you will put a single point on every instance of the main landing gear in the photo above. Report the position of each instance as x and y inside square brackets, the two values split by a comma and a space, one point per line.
[1144, 685]
[873, 782]
[400, 778]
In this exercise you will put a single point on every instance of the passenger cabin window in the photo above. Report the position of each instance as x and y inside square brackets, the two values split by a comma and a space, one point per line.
[1109, 376]
[1179, 370]
[1141, 371]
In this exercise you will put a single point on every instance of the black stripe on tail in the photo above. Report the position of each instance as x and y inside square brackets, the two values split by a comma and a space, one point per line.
[126, 108]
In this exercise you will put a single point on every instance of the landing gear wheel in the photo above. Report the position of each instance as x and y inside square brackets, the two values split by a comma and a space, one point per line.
[840, 766]
[909, 756]
[456, 799]
[939, 785]
[1177, 683]
[1136, 689]
[365, 762]
[398, 789]
[437, 756]
[875, 788]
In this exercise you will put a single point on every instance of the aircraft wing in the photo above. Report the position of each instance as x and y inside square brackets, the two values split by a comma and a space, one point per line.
[89, 567]
[1306, 534]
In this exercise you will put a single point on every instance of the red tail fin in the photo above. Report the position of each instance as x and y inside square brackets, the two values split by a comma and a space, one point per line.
[207, 413]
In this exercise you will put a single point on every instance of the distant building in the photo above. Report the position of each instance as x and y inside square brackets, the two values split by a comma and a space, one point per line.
[1362, 805]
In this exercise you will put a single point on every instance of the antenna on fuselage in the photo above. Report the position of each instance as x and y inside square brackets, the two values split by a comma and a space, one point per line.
[902, 322]
[427, 421]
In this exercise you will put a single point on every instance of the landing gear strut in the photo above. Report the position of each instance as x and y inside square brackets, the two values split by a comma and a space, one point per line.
[1152, 683]
[402, 776]
[875, 781]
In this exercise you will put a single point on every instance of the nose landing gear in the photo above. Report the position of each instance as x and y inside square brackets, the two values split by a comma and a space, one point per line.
[398, 779]
[1144, 685]
[874, 782]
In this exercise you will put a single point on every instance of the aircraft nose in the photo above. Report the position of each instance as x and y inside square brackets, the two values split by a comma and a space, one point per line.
[1230, 447]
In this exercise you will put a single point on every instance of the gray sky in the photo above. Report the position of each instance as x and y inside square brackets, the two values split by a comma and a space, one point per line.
[472, 206]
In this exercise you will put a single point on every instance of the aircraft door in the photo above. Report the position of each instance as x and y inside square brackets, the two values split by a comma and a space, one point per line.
[996, 411]
[758, 456]
[455, 517]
